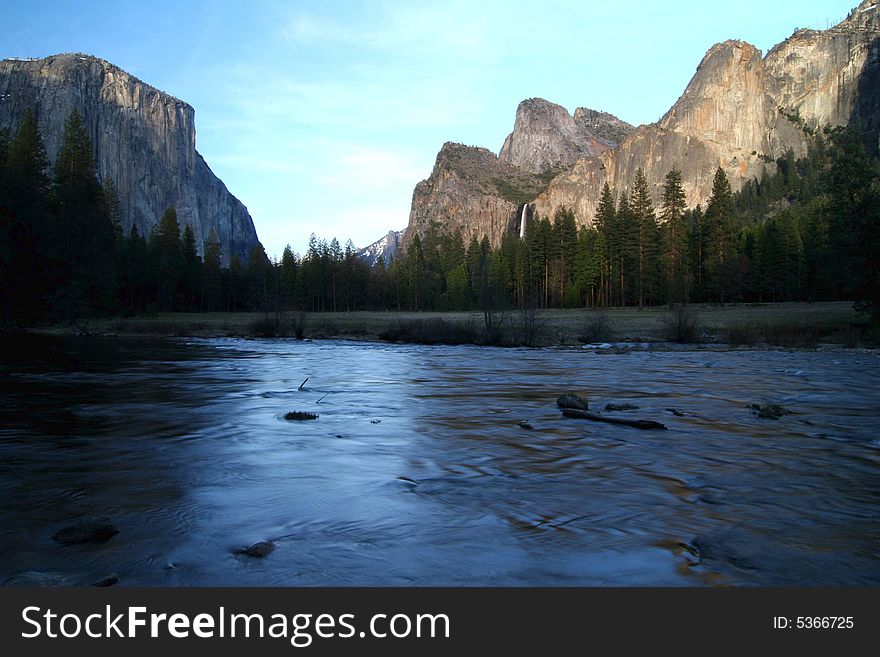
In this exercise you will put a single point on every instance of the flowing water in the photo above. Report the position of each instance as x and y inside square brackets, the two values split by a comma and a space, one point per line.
[417, 471]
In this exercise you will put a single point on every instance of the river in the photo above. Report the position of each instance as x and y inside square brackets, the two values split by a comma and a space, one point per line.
[418, 472]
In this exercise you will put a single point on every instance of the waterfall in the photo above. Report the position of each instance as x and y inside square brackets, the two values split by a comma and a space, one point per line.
[522, 222]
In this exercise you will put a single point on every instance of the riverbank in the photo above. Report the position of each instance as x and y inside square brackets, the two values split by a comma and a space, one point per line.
[785, 324]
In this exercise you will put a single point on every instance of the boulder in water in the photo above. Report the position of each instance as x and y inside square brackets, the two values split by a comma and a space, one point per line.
[258, 550]
[88, 530]
[572, 401]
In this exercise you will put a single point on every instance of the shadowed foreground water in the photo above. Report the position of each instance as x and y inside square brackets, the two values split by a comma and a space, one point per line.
[418, 473]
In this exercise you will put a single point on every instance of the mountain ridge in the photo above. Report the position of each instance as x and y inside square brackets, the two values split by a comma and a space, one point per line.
[740, 111]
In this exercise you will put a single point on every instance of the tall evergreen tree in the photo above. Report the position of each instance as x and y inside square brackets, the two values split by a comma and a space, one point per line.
[696, 223]
[191, 273]
[83, 236]
[27, 186]
[288, 278]
[645, 231]
[855, 218]
[212, 278]
[675, 239]
[624, 247]
[565, 247]
[605, 224]
[720, 249]
[167, 253]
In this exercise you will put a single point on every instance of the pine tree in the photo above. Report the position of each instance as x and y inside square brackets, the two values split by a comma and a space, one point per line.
[191, 277]
[854, 225]
[624, 248]
[457, 289]
[645, 229]
[212, 277]
[696, 223]
[27, 226]
[720, 251]
[415, 259]
[605, 221]
[565, 247]
[288, 278]
[675, 241]
[83, 236]
[167, 253]
[591, 258]
[136, 275]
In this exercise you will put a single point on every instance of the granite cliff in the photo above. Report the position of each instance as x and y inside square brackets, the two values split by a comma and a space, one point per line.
[474, 192]
[143, 139]
[546, 137]
[740, 111]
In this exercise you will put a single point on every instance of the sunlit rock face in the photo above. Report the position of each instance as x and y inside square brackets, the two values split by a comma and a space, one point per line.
[473, 192]
[546, 137]
[740, 112]
[143, 139]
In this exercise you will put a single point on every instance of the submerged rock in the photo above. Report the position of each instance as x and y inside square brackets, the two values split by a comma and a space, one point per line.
[769, 411]
[739, 549]
[258, 550]
[294, 416]
[89, 530]
[34, 578]
[572, 401]
[621, 407]
[676, 412]
[525, 424]
[109, 580]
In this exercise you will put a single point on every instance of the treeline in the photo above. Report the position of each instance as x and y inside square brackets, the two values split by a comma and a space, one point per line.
[809, 231]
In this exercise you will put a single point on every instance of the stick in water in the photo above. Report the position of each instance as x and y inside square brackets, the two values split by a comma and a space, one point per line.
[302, 384]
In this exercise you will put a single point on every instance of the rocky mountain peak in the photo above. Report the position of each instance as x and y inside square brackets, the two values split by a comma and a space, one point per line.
[547, 138]
[603, 125]
[864, 17]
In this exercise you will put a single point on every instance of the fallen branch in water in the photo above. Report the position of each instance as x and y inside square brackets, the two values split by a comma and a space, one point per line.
[636, 424]
[302, 384]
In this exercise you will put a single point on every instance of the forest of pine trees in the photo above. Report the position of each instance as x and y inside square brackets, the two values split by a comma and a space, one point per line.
[809, 231]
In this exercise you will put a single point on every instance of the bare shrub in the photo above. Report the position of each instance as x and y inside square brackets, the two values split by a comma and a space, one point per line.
[597, 328]
[791, 334]
[741, 333]
[681, 324]
[430, 331]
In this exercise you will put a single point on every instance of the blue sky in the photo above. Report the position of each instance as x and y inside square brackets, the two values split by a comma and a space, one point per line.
[322, 116]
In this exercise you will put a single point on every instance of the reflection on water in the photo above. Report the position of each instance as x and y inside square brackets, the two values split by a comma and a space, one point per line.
[417, 471]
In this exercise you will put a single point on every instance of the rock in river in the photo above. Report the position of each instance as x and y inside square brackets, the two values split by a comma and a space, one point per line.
[258, 550]
[572, 401]
[88, 530]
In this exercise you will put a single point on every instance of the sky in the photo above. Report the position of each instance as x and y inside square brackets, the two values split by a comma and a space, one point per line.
[322, 116]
